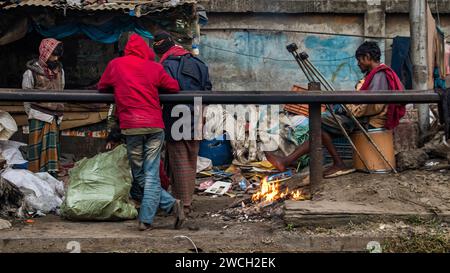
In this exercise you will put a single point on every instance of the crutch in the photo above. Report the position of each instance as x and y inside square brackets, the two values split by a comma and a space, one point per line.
[310, 74]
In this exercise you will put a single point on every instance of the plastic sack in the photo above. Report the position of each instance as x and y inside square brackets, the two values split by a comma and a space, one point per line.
[203, 163]
[8, 125]
[10, 151]
[99, 188]
[42, 191]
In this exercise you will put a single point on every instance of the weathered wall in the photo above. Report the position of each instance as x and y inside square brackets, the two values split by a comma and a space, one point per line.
[241, 58]
[316, 6]
[258, 60]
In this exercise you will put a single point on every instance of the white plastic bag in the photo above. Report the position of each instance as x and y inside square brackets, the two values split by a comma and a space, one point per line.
[10, 151]
[42, 192]
[8, 125]
[203, 163]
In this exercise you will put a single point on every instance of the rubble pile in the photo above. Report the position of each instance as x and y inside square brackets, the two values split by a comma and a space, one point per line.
[433, 156]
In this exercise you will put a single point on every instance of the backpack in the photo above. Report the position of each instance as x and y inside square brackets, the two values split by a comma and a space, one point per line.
[191, 72]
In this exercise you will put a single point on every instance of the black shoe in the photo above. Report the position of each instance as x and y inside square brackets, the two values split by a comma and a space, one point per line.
[178, 211]
[144, 226]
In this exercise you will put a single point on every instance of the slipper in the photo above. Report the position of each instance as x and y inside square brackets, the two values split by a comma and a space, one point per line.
[340, 173]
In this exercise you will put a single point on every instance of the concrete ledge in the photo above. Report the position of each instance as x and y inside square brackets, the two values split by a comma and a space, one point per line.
[159, 244]
[315, 6]
[332, 214]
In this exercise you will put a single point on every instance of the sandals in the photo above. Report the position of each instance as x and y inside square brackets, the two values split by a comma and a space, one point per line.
[340, 173]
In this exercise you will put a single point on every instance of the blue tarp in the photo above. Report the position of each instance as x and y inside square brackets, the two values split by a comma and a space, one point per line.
[107, 33]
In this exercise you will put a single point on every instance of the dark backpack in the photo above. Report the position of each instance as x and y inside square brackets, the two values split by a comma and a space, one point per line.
[190, 72]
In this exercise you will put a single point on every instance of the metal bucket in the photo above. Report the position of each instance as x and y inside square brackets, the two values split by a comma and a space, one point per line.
[384, 140]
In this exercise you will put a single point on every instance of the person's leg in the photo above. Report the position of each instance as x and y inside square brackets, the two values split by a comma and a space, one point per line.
[51, 140]
[34, 144]
[183, 165]
[338, 163]
[330, 129]
[329, 125]
[154, 196]
[281, 163]
[135, 152]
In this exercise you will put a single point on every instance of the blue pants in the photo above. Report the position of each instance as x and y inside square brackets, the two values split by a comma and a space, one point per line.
[144, 155]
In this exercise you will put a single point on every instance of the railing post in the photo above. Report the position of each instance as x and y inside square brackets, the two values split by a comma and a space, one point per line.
[315, 148]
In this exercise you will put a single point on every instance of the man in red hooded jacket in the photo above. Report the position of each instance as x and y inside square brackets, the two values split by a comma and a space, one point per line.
[135, 80]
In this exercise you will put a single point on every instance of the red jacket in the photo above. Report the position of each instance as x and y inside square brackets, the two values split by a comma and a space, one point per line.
[136, 79]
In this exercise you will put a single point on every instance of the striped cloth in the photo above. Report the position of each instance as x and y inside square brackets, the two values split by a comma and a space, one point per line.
[183, 168]
[43, 146]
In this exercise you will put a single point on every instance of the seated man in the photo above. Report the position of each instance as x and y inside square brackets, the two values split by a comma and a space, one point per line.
[378, 77]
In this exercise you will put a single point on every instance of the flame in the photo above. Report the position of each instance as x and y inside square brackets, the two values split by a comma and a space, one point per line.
[270, 192]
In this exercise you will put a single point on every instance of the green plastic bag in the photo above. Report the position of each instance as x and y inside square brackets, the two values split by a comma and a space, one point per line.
[99, 188]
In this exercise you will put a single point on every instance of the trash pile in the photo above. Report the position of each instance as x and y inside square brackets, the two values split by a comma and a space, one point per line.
[23, 194]
[244, 173]
[433, 156]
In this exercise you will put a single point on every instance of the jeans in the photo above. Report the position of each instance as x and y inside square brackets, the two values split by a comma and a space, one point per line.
[144, 155]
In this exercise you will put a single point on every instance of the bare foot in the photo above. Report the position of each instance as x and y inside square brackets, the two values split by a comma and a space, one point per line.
[276, 161]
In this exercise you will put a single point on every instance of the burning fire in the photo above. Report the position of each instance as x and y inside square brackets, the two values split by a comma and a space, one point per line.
[270, 192]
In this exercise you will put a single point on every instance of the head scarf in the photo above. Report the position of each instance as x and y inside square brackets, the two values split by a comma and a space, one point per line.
[46, 49]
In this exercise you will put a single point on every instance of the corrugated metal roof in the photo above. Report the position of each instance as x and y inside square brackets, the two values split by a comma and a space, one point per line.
[152, 5]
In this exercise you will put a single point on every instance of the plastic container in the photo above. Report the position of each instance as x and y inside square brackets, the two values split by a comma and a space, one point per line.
[384, 140]
[23, 166]
[218, 150]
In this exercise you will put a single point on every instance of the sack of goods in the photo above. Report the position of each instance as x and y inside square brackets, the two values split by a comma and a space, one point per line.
[99, 188]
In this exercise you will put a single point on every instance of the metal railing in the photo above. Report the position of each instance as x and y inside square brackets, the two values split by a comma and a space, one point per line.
[313, 98]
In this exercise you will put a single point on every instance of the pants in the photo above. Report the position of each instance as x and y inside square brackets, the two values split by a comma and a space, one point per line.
[43, 146]
[183, 168]
[144, 155]
[332, 127]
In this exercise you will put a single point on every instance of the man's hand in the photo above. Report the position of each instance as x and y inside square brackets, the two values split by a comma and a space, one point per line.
[110, 145]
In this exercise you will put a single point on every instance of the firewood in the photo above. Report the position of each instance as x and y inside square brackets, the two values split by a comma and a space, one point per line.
[238, 202]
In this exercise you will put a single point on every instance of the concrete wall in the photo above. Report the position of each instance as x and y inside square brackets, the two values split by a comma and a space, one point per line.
[242, 58]
[258, 60]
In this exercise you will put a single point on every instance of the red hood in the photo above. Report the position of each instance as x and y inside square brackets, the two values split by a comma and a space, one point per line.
[136, 46]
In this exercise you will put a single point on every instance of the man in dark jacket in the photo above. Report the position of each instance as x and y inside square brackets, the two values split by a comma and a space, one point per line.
[191, 74]
[135, 79]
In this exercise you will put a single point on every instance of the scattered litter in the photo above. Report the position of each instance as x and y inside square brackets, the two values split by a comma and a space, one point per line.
[243, 184]
[203, 163]
[205, 185]
[29, 221]
[219, 188]
[262, 170]
[232, 195]
[279, 177]
[431, 163]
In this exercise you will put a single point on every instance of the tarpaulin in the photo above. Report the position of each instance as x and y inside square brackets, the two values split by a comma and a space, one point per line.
[108, 32]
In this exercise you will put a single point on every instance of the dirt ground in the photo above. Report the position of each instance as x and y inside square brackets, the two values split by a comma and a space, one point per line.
[212, 229]
[418, 191]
